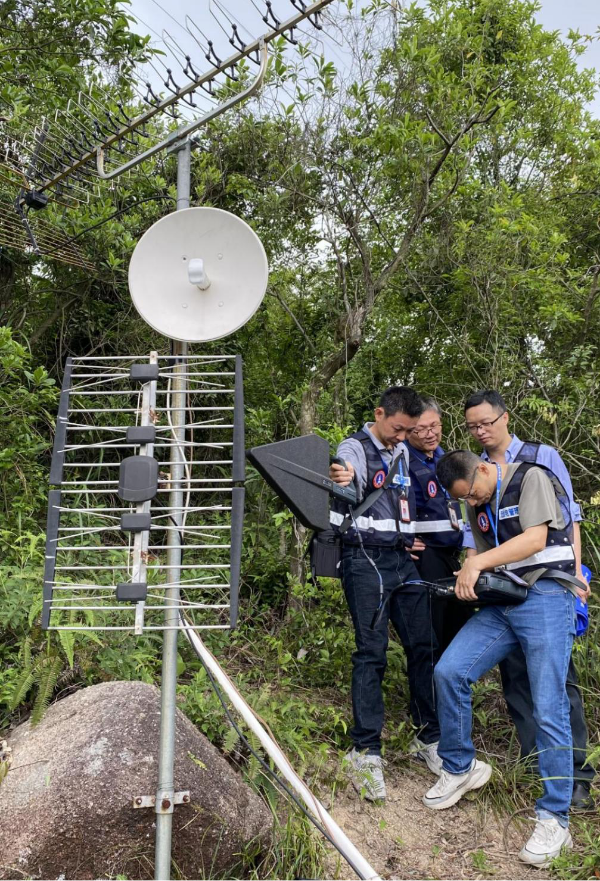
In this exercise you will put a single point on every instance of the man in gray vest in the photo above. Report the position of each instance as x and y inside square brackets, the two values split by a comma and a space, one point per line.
[520, 525]
[375, 562]
[487, 420]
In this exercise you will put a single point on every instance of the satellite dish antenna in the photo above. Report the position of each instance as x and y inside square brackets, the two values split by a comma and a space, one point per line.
[198, 274]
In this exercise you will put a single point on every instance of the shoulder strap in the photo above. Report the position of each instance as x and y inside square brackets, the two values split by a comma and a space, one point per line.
[372, 497]
[557, 573]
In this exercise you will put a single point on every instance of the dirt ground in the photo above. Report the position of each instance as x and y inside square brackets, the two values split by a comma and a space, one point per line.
[402, 839]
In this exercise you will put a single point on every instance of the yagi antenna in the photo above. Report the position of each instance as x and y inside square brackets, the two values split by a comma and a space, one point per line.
[98, 129]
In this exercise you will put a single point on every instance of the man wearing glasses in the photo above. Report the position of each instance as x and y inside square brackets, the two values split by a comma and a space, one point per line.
[487, 420]
[438, 522]
[517, 518]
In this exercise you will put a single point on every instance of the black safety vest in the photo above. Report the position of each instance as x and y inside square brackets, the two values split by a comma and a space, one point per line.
[380, 525]
[558, 553]
[432, 520]
[529, 452]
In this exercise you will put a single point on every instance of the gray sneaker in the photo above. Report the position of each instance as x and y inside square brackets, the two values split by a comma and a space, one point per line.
[450, 788]
[366, 774]
[428, 753]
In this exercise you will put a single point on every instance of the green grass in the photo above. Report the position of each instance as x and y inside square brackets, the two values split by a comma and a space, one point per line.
[294, 669]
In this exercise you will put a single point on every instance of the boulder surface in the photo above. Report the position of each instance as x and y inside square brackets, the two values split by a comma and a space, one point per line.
[66, 806]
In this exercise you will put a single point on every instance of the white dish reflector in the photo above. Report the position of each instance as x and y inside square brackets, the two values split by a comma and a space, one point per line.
[233, 261]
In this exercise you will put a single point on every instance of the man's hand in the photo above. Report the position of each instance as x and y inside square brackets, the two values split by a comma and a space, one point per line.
[417, 546]
[467, 579]
[340, 475]
[583, 595]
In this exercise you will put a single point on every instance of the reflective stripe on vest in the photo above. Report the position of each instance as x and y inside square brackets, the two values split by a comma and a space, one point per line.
[370, 524]
[436, 526]
[544, 558]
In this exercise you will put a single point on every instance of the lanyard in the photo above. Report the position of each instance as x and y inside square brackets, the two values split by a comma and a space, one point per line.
[494, 521]
[385, 465]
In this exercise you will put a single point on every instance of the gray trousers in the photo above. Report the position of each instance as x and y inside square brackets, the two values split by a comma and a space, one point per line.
[517, 693]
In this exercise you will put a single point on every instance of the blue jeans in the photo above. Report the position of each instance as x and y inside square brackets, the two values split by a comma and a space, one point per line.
[544, 627]
[408, 610]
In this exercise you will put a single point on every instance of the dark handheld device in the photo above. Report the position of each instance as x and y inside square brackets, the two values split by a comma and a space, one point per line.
[492, 589]
[347, 493]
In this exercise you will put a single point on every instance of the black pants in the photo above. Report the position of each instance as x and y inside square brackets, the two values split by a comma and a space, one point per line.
[517, 693]
[408, 611]
[447, 615]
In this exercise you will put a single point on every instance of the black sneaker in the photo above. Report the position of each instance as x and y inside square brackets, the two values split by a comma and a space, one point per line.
[582, 799]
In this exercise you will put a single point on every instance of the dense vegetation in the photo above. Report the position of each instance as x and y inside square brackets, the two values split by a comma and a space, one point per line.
[431, 217]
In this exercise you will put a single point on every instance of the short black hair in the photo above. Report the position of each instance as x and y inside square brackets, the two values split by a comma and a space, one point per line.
[486, 396]
[401, 399]
[457, 465]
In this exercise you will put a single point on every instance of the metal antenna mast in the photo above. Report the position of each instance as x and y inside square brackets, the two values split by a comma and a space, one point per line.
[93, 138]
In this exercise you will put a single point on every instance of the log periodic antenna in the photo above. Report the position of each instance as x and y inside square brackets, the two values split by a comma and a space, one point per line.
[197, 274]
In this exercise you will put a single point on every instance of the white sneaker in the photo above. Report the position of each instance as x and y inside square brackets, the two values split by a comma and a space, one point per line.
[366, 774]
[546, 842]
[428, 753]
[450, 788]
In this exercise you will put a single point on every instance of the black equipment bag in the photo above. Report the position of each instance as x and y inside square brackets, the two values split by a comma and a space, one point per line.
[492, 589]
[325, 552]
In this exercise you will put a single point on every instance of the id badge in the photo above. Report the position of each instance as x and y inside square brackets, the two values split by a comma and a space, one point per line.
[452, 517]
[404, 511]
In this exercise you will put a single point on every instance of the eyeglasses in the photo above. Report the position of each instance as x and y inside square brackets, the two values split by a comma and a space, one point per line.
[474, 427]
[423, 432]
[469, 495]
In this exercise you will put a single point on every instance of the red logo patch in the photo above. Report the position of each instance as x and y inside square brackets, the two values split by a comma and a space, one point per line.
[483, 522]
[379, 479]
[432, 489]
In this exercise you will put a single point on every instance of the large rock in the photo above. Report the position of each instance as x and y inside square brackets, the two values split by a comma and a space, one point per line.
[66, 805]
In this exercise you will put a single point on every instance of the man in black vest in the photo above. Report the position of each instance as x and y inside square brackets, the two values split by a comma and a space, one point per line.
[517, 517]
[487, 420]
[375, 562]
[438, 521]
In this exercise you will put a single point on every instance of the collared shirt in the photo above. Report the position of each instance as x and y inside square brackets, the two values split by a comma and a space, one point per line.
[551, 459]
[351, 450]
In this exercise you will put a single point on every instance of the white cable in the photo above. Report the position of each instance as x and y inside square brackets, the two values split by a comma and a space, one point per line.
[343, 843]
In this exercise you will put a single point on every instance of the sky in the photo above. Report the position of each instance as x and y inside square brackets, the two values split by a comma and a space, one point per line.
[582, 15]
[154, 15]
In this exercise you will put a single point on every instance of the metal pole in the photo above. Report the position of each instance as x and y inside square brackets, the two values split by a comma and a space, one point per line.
[166, 788]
